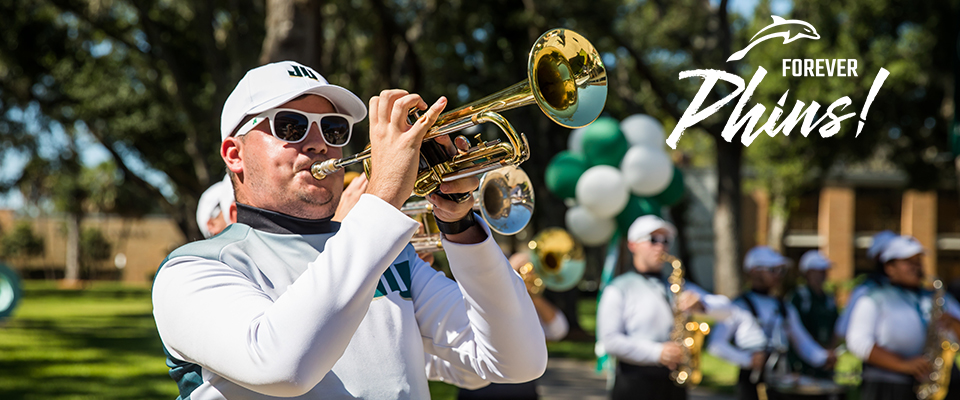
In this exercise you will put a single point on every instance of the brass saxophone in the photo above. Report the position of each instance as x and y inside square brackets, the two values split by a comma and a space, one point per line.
[687, 333]
[938, 349]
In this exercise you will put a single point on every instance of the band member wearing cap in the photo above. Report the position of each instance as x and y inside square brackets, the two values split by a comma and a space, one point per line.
[287, 303]
[888, 326]
[779, 321]
[216, 208]
[817, 309]
[635, 316]
[874, 279]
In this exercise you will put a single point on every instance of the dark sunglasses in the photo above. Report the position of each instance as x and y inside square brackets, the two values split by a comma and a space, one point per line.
[660, 239]
[291, 125]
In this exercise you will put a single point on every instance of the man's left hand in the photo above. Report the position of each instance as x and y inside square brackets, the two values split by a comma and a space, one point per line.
[449, 210]
[690, 302]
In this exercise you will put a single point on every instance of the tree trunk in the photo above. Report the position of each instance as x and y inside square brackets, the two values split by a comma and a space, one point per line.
[71, 275]
[726, 219]
[293, 32]
[779, 215]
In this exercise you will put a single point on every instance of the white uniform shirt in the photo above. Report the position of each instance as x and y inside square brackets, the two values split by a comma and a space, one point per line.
[634, 317]
[895, 319]
[779, 333]
[843, 321]
[351, 313]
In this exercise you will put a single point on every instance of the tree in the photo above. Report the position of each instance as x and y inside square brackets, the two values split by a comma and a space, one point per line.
[146, 79]
[21, 242]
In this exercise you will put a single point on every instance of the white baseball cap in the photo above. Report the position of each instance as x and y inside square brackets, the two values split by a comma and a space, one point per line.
[814, 260]
[763, 257]
[271, 85]
[642, 228]
[215, 200]
[901, 247]
[880, 241]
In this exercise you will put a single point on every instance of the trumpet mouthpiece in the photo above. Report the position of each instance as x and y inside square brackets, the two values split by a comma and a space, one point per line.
[321, 169]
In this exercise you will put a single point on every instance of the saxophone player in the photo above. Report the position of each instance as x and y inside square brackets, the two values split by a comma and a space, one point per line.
[635, 316]
[888, 325]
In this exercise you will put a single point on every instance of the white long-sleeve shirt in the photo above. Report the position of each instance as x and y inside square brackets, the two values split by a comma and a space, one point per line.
[275, 306]
[635, 318]
[896, 320]
[779, 332]
[843, 320]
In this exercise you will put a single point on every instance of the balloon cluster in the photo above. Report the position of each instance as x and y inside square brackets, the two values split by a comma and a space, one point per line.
[616, 172]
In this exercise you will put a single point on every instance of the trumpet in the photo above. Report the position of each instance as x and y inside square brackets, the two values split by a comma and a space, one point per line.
[504, 199]
[556, 262]
[565, 78]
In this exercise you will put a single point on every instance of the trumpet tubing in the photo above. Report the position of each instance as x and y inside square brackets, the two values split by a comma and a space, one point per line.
[565, 78]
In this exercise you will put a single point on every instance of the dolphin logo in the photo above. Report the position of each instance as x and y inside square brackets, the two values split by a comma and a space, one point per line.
[805, 31]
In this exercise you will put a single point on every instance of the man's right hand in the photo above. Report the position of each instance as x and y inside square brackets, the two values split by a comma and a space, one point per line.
[757, 360]
[395, 144]
[918, 367]
[670, 355]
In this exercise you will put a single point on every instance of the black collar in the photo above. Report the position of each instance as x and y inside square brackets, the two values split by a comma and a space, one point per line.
[652, 275]
[274, 222]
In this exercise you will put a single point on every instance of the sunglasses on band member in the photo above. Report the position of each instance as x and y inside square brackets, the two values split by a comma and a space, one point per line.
[656, 239]
[291, 125]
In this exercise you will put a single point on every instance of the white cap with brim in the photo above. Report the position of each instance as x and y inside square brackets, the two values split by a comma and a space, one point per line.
[272, 85]
[218, 196]
[901, 248]
[814, 260]
[879, 242]
[763, 257]
[642, 228]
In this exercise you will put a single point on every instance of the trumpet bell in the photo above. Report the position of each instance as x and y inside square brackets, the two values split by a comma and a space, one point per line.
[557, 259]
[567, 78]
[505, 200]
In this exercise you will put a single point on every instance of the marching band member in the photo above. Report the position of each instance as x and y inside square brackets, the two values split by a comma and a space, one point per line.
[874, 279]
[779, 321]
[216, 208]
[555, 328]
[888, 326]
[288, 303]
[635, 316]
[817, 309]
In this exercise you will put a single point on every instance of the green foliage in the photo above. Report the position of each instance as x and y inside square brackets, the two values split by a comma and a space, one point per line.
[94, 246]
[21, 242]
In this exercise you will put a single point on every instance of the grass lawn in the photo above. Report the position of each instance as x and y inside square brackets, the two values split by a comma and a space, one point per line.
[101, 343]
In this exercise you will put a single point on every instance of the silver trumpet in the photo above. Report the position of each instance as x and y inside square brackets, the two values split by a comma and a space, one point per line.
[504, 201]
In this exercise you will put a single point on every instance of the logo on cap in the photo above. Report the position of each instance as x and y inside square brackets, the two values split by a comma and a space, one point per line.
[302, 72]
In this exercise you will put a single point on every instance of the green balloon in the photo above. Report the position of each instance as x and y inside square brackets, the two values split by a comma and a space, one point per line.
[603, 143]
[636, 208]
[563, 172]
[674, 192]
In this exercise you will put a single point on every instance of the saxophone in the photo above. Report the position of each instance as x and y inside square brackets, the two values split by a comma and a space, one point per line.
[938, 349]
[687, 333]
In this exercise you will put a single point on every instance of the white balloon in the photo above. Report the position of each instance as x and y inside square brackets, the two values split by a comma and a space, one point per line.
[646, 171]
[575, 141]
[643, 130]
[602, 190]
[589, 228]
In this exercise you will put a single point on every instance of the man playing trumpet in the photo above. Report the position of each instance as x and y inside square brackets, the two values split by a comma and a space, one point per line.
[288, 303]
